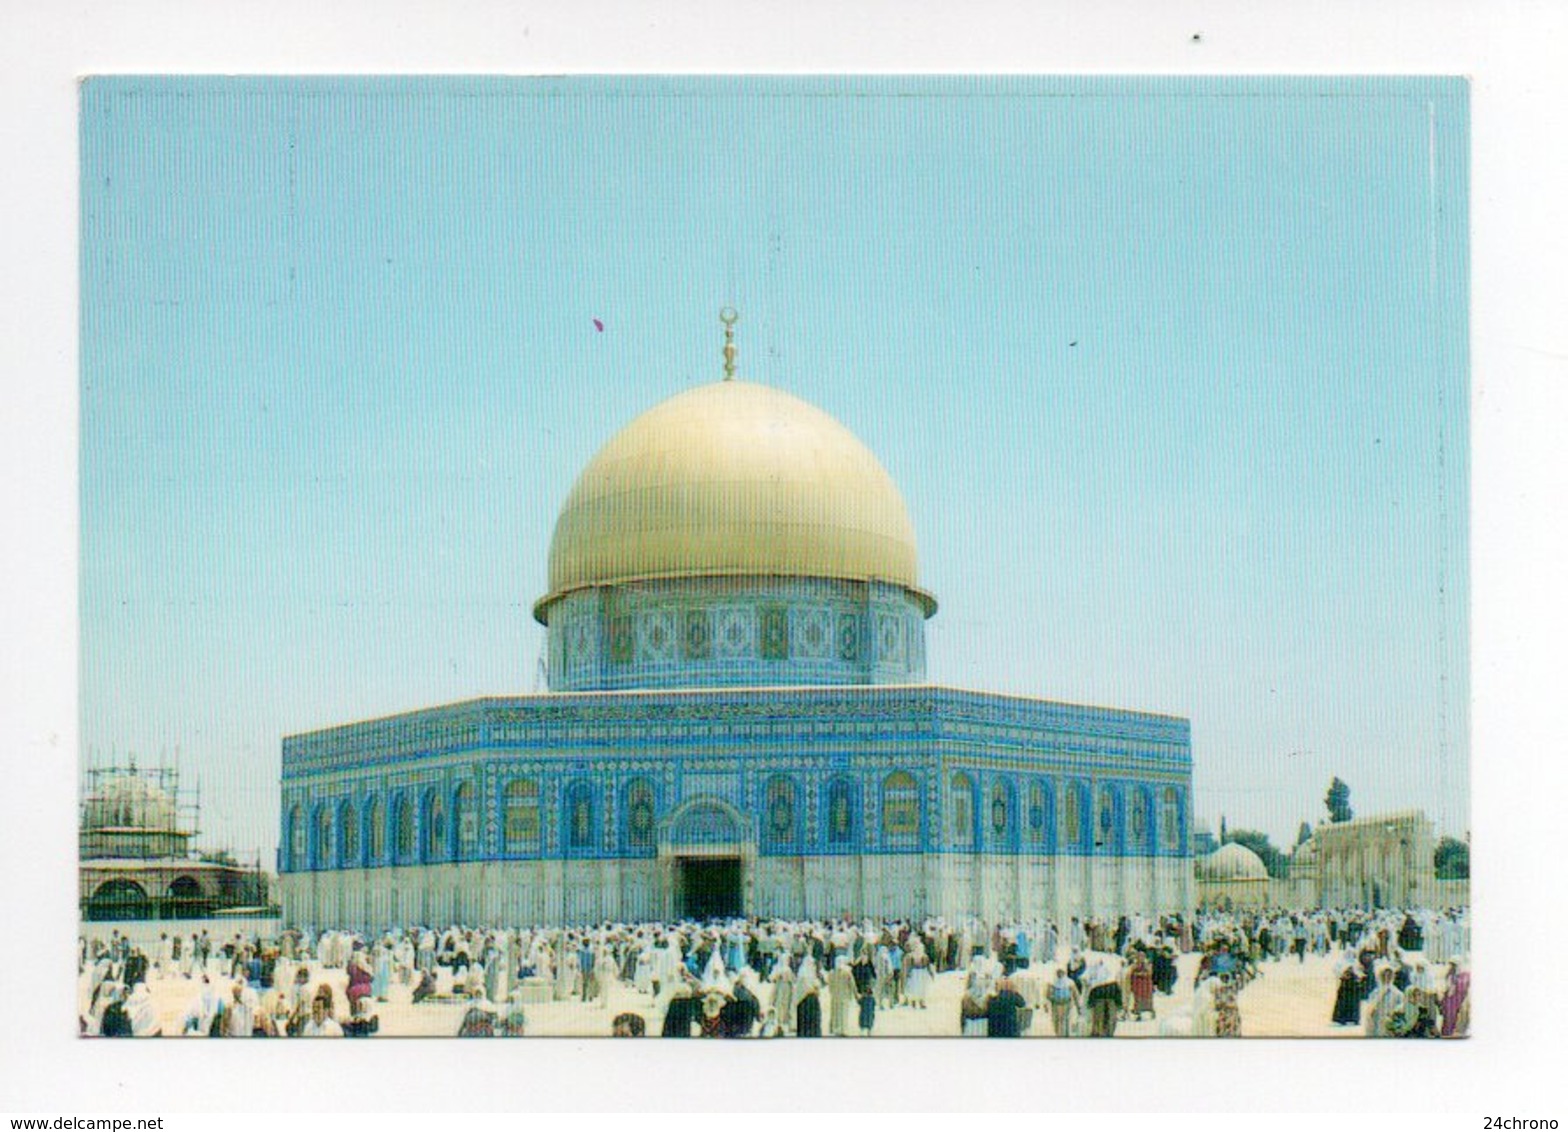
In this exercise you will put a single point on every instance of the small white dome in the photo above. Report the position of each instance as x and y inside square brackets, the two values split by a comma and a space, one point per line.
[1231, 861]
[129, 801]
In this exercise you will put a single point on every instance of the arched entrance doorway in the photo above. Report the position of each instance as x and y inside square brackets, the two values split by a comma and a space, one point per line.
[119, 900]
[186, 900]
[706, 856]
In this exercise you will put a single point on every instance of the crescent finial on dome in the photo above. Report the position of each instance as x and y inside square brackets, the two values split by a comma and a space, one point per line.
[729, 316]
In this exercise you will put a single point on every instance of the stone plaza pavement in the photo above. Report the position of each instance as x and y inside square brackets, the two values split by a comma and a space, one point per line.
[1290, 999]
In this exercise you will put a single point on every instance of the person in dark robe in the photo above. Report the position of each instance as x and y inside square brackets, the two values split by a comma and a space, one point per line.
[1409, 935]
[1164, 963]
[477, 1023]
[363, 1024]
[116, 1021]
[1367, 958]
[135, 969]
[808, 1001]
[1104, 1002]
[1004, 1012]
[1347, 999]
[864, 972]
[681, 1014]
[628, 1025]
[1422, 1009]
[425, 989]
[739, 1014]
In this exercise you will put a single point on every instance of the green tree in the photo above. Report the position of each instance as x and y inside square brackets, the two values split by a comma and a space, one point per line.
[1338, 801]
[1451, 860]
[1304, 834]
[1277, 863]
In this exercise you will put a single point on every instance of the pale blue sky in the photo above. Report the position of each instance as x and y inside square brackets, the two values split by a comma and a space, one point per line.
[340, 370]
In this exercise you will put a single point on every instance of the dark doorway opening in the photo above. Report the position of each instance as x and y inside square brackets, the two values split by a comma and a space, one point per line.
[120, 900]
[709, 886]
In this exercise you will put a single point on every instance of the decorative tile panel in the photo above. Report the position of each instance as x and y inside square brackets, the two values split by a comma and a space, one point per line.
[735, 631]
[656, 636]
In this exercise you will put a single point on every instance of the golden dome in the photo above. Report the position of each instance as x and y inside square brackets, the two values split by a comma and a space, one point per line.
[728, 479]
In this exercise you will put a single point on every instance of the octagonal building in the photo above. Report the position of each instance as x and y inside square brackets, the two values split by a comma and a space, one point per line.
[737, 723]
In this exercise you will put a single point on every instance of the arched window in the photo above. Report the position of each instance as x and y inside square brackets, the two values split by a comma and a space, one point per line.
[779, 813]
[521, 824]
[579, 816]
[322, 858]
[1138, 819]
[962, 793]
[639, 815]
[841, 823]
[1072, 815]
[1105, 819]
[900, 805]
[375, 830]
[1170, 818]
[1037, 819]
[297, 835]
[348, 830]
[432, 842]
[465, 822]
[1001, 818]
[404, 821]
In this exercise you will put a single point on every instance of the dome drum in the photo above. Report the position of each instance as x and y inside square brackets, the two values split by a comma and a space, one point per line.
[756, 631]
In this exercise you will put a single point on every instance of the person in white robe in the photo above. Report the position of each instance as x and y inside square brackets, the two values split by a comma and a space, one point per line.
[918, 983]
[283, 969]
[240, 1012]
[713, 974]
[1383, 1004]
[543, 962]
[841, 988]
[1205, 1018]
[381, 979]
[668, 966]
[202, 1008]
[163, 960]
[783, 980]
[642, 977]
[606, 974]
[568, 974]
[143, 1013]
[108, 992]
[321, 1023]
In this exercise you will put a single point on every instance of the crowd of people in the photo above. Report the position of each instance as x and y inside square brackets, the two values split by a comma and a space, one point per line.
[776, 978]
[1388, 981]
